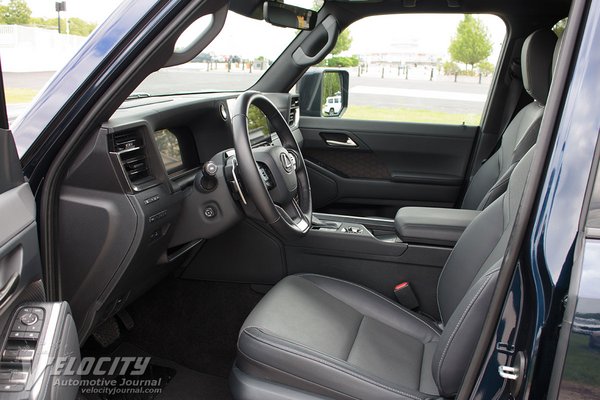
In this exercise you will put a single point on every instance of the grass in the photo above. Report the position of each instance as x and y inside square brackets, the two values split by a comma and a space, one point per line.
[18, 95]
[410, 115]
[583, 362]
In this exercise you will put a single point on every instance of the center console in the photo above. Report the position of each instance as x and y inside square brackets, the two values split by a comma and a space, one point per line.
[433, 226]
[412, 225]
[377, 228]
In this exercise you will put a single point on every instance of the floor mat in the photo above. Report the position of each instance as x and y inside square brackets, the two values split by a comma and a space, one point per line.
[193, 323]
[176, 382]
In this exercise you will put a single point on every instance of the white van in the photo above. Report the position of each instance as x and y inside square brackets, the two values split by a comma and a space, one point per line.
[333, 105]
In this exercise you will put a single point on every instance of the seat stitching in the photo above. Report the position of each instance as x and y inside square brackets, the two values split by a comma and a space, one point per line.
[331, 365]
[266, 332]
[461, 320]
[362, 319]
[254, 360]
[376, 294]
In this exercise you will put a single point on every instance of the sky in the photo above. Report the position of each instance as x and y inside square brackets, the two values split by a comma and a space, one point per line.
[251, 38]
[246, 37]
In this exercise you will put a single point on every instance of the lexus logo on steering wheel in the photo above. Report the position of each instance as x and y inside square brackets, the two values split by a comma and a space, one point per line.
[287, 162]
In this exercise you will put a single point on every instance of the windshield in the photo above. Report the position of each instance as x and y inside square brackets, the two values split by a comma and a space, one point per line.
[237, 58]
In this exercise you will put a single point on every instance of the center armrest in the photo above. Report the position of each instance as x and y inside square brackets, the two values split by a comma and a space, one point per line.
[427, 225]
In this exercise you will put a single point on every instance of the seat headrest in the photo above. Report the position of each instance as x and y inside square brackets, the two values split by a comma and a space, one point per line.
[536, 63]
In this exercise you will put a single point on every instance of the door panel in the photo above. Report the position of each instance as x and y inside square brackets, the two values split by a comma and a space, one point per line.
[19, 256]
[19, 250]
[373, 168]
[33, 331]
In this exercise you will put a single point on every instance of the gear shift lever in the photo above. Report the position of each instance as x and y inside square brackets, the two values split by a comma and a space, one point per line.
[320, 224]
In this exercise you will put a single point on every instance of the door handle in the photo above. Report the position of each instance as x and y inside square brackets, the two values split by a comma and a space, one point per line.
[338, 143]
[9, 287]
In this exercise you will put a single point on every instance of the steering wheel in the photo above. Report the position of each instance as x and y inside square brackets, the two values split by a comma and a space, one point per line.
[274, 177]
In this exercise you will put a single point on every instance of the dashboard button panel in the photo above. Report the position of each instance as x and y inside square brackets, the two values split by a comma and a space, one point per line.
[157, 216]
[151, 200]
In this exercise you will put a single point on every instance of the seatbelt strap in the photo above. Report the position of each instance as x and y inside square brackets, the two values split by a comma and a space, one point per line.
[512, 100]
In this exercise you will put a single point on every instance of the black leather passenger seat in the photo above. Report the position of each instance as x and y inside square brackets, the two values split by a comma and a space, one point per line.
[313, 336]
[491, 179]
[329, 337]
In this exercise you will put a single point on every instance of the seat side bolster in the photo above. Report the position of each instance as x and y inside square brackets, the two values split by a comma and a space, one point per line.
[460, 335]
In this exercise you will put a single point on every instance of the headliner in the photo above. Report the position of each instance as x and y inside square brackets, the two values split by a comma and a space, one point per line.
[360, 9]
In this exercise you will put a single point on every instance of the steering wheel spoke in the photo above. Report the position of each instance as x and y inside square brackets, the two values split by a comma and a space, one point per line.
[293, 215]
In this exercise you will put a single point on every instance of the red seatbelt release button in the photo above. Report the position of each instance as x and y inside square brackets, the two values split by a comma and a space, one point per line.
[405, 296]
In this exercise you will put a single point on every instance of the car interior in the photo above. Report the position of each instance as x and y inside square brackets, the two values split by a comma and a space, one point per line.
[260, 261]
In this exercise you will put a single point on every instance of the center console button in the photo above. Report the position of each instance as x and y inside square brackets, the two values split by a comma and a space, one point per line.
[30, 335]
[26, 355]
[19, 326]
[29, 319]
[37, 327]
[10, 355]
[11, 387]
[39, 313]
[19, 377]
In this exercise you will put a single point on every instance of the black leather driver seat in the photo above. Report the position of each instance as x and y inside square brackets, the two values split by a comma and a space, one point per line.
[314, 336]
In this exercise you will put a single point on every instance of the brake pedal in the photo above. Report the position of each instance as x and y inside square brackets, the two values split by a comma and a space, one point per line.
[126, 319]
[107, 333]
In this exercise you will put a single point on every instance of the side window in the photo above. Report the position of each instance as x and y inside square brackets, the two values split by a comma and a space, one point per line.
[428, 68]
[593, 218]
[36, 40]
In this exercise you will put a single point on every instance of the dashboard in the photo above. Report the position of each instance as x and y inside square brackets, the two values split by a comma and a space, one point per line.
[134, 190]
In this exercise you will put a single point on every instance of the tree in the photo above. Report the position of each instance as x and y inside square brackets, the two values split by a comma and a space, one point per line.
[3, 10]
[472, 42]
[331, 86]
[77, 26]
[486, 67]
[342, 62]
[17, 12]
[343, 43]
[560, 26]
[451, 68]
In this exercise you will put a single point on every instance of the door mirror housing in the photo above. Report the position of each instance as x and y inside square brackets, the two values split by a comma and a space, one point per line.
[324, 92]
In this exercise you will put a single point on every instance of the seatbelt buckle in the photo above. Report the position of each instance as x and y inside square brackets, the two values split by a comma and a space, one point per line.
[405, 296]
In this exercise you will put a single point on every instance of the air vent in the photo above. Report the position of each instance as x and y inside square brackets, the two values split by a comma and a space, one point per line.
[135, 165]
[126, 140]
[294, 104]
[130, 152]
[292, 119]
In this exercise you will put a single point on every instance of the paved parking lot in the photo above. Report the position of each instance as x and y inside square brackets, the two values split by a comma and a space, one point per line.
[441, 94]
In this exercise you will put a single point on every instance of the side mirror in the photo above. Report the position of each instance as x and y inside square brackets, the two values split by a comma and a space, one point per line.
[324, 92]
